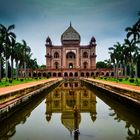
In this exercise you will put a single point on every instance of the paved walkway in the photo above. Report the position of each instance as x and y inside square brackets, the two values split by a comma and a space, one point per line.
[122, 86]
[6, 90]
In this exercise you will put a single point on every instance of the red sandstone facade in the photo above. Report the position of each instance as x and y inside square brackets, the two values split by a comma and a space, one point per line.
[70, 59]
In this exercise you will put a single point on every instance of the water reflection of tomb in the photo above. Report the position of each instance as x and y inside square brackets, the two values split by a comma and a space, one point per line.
[65, 98]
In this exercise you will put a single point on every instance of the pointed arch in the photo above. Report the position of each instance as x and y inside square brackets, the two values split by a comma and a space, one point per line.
[56, 65]
[56, 55]
[85, 55]
[85, 65]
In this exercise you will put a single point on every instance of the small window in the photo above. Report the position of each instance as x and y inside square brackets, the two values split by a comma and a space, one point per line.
[85, 55]
[56, 55]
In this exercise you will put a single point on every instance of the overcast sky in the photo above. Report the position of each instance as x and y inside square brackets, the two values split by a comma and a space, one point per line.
[36, 19]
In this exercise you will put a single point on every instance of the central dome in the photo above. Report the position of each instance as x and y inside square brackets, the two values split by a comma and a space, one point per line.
[70, 36]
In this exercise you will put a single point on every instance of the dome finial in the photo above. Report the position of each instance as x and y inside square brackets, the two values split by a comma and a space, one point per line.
[70, 24]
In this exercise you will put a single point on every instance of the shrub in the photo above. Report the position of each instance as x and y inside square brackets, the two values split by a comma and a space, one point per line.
[120, 79]
[21, 80]
[7, 85]
[131, 80]
[105, 78]
[36, 78]
[10, 81]
[126, 78]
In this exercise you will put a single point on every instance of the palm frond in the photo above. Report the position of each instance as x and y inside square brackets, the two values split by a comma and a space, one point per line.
[11, 27]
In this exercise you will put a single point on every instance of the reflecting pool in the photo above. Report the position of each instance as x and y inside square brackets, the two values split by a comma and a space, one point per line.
[72, 111]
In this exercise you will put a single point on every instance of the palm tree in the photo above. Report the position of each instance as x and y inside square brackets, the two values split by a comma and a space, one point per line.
[26, 51]
[18, 55]
[32, 64]
[1, 53]
[108, 63]
[8, 38]
[125, 58]
[28, 58]
[116, 56]
[13, 44]
[133, 32]
[132, 48]
[135, 59]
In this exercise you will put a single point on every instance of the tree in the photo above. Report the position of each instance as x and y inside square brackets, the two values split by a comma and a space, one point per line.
[133, 52]
[133, 33]
[1, 53]
[25, 51]
[42, 67]
[100, 64]
[8, 38]
[18, 56]
[13, 44]
[108, 63]
[116, 56]
[126, 58]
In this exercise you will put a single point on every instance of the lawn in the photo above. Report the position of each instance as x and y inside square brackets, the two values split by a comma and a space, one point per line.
[9, 82]
[129, 81]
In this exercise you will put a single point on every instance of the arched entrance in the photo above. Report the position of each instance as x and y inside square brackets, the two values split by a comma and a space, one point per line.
[112, 74]
[34, 74]
[107, 74]
[44, 74]
[39, 74]
[59, 74]
[54, 74]
[56, 64]
[71, 60]
[97, 73]
[70, 65]
[82, 74]
[92, 74]
[87, 74]
[85, 65]
[65, 74]
[71, 74]
[76, 74]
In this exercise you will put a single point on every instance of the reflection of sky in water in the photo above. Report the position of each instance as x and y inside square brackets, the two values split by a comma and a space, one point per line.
[105, 126]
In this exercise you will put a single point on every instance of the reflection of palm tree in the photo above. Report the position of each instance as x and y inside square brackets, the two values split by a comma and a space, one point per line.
[127, 125]
[116, 116]
[133, 135]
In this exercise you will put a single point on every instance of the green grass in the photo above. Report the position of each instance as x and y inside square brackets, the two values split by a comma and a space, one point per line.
[5, 83]
[124, 80]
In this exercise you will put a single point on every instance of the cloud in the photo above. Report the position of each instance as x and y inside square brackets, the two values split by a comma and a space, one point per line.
[37, 19]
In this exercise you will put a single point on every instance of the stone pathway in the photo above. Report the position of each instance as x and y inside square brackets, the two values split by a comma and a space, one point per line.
[123, 86]
[6, 90]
